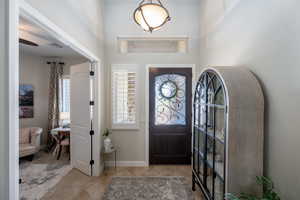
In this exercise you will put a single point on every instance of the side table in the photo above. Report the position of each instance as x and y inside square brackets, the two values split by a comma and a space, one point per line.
[113, 151]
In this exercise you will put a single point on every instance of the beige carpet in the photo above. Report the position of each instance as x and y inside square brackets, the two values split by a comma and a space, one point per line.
[40, 175]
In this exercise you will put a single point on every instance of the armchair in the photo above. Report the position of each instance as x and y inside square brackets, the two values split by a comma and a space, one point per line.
[29, 141]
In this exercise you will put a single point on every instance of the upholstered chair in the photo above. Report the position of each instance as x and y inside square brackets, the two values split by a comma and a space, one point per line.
[29, 141]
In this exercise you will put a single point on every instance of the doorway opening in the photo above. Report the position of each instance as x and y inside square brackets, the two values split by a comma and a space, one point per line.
[41, 49]
[54, 83]
[168, 113]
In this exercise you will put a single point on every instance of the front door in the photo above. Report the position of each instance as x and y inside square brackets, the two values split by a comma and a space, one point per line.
[170, 112]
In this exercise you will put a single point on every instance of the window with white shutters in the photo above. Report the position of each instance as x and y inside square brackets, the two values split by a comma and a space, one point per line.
[124, 97]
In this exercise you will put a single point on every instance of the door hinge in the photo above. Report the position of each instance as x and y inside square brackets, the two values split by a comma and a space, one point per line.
[92, 73]
[92, 162]
[92, 103]
[92, 132]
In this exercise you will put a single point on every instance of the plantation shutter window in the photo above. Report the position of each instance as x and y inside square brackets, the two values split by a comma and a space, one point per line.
[124, 101]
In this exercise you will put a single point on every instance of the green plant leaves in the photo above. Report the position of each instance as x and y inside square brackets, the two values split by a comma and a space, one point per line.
[106, 132]
[268, 194]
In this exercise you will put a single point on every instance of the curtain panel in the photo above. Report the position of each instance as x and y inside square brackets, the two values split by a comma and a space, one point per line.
[56, 73]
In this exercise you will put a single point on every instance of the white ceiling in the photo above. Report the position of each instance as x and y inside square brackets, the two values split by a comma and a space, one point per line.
[48, 45]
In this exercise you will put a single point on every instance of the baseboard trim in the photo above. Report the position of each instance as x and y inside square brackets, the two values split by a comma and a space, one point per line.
[126, 163]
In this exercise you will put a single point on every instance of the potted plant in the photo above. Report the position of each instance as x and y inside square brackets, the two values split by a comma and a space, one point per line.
[107, 141]
[268, 194]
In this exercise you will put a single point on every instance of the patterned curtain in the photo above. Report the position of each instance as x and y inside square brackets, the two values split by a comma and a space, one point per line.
[56, 72]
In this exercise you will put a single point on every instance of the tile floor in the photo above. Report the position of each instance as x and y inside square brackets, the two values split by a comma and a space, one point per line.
[77, 186]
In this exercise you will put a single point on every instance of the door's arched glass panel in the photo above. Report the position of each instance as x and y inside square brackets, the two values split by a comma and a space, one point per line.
[170, 99]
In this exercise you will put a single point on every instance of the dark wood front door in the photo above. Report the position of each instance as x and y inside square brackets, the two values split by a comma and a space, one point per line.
[170, 115]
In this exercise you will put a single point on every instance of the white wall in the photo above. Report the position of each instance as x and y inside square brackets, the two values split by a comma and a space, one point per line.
[35, 72]
[80, 19]
[264, 37]
[4, 127]
[119, 22]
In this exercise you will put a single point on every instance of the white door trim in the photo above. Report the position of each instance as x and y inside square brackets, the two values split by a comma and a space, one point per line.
[193, 66]
[13, 92]
[18, 8]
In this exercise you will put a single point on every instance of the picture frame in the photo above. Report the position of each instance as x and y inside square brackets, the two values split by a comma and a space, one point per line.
[26, 101]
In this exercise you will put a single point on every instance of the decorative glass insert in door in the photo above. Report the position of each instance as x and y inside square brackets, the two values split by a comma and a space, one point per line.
[170, 99]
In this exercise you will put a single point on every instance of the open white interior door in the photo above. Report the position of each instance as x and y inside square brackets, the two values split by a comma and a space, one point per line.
[81, 113]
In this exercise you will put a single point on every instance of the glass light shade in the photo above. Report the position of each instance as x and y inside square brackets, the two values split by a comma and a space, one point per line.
[151, 16]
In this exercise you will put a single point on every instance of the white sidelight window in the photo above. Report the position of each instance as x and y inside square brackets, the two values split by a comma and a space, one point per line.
[124, 97]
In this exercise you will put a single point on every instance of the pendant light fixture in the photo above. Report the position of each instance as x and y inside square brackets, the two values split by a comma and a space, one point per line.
[151, 15]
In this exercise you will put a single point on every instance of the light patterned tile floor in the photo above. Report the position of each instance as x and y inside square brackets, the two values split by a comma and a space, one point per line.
[77, 186]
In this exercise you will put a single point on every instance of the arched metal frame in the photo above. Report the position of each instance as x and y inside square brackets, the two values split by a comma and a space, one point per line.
[206, 82]
[150, 2]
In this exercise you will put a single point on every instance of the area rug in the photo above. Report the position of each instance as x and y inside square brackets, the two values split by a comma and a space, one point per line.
[148, 188]
[40, 175]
